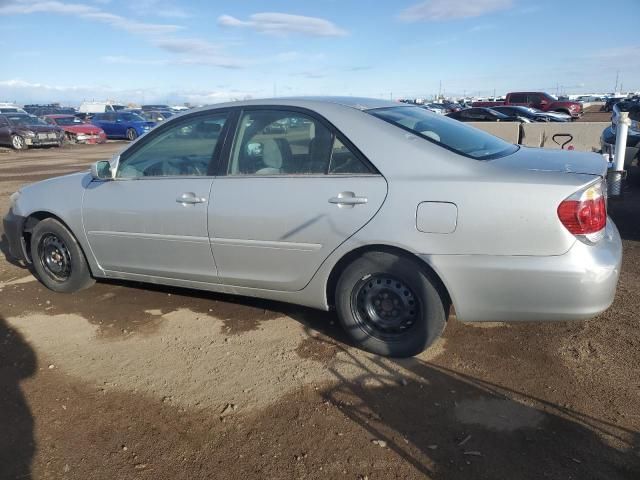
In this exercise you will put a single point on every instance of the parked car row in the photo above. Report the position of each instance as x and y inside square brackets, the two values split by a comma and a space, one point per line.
[539, 100]
[52, 125]
[503, 113]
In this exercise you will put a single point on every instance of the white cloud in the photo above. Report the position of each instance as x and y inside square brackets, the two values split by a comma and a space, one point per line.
[284, 23]
[629, 51]
[88, 12]
[124, 60]
[188, 45]
[159, 8]
[434, 10]
[196, 51]
[28, 92]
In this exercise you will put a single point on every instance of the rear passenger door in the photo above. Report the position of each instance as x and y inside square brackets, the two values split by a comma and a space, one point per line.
[292, 191]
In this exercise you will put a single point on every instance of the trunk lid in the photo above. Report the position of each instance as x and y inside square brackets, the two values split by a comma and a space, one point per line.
[547, 160]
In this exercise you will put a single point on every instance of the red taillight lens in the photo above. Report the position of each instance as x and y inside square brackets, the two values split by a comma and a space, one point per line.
[585, 212]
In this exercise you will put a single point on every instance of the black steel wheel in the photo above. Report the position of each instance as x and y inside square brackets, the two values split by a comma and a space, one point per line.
[385, 306]
[57, 258]
[390, 304]
[54, 257]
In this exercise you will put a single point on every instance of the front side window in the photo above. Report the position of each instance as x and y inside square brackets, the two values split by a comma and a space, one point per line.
[130, 117]
[184, 148]
[448, 133]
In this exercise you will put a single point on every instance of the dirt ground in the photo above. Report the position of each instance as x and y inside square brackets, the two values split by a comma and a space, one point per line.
[127, 381]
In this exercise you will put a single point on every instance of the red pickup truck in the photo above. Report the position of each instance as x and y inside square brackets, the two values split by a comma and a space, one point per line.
[540, 100]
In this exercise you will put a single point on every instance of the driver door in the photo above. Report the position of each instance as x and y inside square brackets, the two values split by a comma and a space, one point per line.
[151, 219]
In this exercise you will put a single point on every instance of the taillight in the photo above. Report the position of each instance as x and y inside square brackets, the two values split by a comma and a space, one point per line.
[585, 212]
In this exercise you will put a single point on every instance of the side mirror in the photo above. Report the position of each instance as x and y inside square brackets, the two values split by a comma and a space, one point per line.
[254, 149]
[101, 170]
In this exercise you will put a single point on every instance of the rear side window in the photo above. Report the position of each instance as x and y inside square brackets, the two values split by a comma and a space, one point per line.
[518, 98]
[281, 142]
[344, 161]
[446, 132]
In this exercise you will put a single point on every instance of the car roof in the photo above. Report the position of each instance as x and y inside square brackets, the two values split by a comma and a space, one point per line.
[359, 103]
[59, 115]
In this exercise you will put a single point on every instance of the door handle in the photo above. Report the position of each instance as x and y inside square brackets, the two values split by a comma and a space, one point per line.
[190, 198]
[347, 199]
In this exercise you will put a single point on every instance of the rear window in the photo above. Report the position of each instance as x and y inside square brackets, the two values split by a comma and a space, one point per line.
[446, 132]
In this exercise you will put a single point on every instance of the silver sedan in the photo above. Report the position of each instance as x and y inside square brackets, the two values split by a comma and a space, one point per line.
[386, 212]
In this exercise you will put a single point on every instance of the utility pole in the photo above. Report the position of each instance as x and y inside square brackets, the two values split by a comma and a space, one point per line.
[615, 90]
[440, 90]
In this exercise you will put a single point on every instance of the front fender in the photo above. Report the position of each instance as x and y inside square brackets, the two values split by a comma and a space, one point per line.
[59, 197]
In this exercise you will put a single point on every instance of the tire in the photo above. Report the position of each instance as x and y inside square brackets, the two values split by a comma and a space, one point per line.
[131, 134]
[369, 291]
[18, 142]
[58, 259]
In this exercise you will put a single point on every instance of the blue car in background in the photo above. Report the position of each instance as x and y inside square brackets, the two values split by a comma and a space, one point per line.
[122, 124]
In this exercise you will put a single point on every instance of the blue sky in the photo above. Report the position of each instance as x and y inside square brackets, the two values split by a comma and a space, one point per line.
[210, 51]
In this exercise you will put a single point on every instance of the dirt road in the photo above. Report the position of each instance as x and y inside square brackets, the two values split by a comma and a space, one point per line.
[126, 381]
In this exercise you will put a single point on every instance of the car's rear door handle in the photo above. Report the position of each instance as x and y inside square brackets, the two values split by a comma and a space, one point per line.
[347, 199]
[190, 198]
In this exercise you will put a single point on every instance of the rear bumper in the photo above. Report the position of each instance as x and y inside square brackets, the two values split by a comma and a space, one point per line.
[575, 286]
[13, 226]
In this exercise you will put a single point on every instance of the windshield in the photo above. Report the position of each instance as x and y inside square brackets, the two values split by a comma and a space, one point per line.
[131, 117]
[68, 121]
[446, 132]
[25, 120]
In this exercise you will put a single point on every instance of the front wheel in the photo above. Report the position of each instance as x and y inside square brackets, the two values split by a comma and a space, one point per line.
[131, 134]
[388, 304]
[58, 259]
[18, 142]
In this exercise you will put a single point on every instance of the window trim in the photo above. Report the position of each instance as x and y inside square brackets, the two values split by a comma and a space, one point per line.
[225, 157]
[168, 124]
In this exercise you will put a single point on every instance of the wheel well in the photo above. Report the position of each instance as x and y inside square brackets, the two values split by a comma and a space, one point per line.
[31, 222]
[352, 255]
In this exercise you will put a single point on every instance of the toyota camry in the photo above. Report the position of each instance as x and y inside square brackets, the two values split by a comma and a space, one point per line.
[383, 211]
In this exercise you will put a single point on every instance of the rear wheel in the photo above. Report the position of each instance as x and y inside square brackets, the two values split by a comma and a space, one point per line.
[131, 134]
[18, 142]
[389, 305]
[58, 259]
